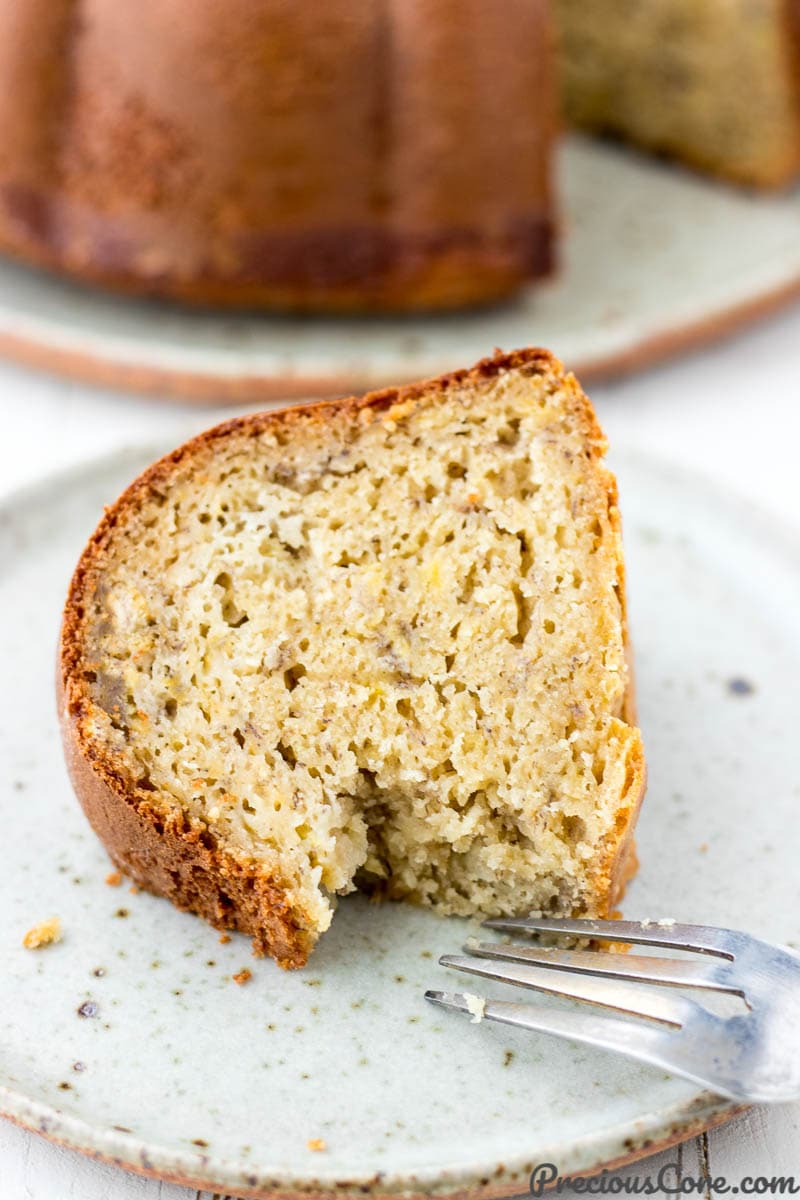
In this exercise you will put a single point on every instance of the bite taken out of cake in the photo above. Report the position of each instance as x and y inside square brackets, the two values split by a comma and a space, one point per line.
[375, 643]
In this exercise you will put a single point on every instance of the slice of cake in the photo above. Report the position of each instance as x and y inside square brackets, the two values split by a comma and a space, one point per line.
[374, 643]
[713, 82]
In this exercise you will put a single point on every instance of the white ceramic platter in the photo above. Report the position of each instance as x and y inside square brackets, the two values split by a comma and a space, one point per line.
[178, 1071]
[654, 259]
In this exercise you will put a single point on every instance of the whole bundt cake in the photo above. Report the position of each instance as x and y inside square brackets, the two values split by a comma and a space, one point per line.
[356, 154]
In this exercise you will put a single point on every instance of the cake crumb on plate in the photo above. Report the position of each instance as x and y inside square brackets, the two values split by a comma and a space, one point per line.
[316, 1144]
[476, 1005]
[43, 934]
[241, 977]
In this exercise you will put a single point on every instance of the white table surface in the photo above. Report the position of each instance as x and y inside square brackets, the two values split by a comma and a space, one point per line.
[732, 411]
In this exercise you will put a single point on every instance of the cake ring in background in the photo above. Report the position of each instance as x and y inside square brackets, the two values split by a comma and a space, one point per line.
[386, 157]
[349, 156]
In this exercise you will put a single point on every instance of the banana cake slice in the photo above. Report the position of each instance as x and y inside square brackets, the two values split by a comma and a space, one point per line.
[377, 643]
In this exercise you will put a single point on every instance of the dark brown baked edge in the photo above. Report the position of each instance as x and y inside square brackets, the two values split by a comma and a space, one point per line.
[180, 859]
[177, 859]
[618, 861]
[350, 269]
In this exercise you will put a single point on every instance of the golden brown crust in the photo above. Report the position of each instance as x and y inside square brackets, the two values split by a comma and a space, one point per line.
[179, 858]
[619, 862]
[176, 858]
[534, 359]
[297, 159]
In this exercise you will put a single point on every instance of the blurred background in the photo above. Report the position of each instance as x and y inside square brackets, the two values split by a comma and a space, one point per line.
[220, 205]
[258, 200]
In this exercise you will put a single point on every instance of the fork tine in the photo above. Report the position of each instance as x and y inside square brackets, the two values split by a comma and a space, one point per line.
[674, 972]
[648, 1043]
[703, 939]
[625, 997]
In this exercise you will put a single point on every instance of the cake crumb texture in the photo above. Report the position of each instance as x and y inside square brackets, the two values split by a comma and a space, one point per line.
[715, 83]
[374, 644]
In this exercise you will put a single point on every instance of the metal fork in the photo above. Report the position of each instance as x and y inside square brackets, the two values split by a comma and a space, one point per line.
[754, 1055]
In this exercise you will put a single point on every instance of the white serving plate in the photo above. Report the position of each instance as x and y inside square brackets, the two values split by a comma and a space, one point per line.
[190, 1077]
[654, 259]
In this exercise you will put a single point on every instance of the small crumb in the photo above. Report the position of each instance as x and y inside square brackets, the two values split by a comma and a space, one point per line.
[241, 977]
[508, 1058]
[89, 1008]
[114, 879]
[199, 1142]
[665, 922]
[317, 1144]
[615, 947]
[703, 847]
[43, 934]
[64, 1086]
[224, 938]
[476, 1005]
[121, 912]
[133, 889]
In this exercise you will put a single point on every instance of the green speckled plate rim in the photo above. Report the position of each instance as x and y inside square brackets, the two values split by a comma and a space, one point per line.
[605, 1149]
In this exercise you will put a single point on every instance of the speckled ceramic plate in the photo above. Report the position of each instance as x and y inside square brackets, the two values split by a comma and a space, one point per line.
[130, 1040]
[654, 259]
